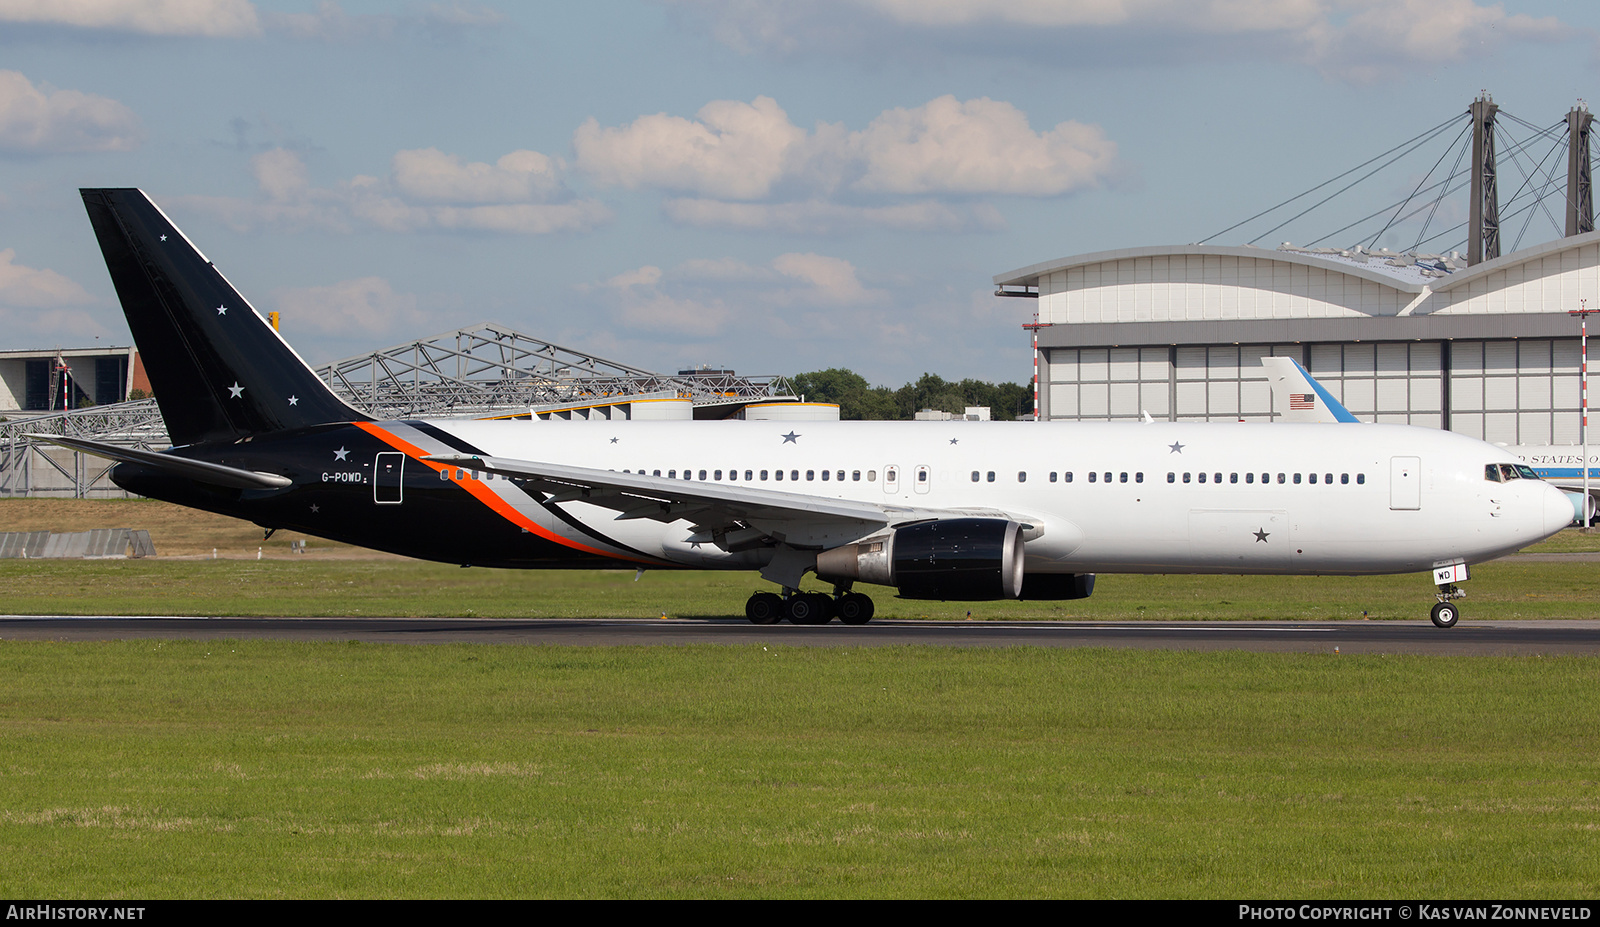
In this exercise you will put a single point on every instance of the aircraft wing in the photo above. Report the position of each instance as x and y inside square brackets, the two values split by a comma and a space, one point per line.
[733, 516]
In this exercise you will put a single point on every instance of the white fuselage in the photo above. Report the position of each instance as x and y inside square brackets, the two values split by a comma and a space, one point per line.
[1136, 498]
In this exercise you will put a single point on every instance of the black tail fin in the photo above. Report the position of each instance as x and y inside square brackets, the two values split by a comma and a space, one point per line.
[219, 371]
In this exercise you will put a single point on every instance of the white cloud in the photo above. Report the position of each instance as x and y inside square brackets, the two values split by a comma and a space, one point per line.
[366, 305]
[426, 190]
[27, 288]
[1360, 41]
[980, 146]
[819, 217]
[240, 18]
[42, 120]
[738, 157]
[430, 175]
[735, 151]
[211, 18]
[710, 297]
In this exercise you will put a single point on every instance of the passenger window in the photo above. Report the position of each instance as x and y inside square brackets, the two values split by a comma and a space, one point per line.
[855, 476]
[872, 476]
[778, 475]
[655, 473]
[1202, 477]
[1217, 478]
[1171, 477]
[1233, 477]
[763, 476]
[1139, 477]
[811, 475]
[841, 476]
[1282, 478]
[1052, 476]
[1297, 479]
[1186, 476]
[1327, 478]
[922, 474]
[1360, 478]
[824, 476]
[1067, 476]
[975, 476]
[1092, 476]
[444, 475]
[1344, 479]
[702, 474]
[990, 476]
[1022, 476]
[794, 474]
[1123, 478]
[717, 474]
[1313, 479]
[747, 476]
[1108, 476]
[1249, 477]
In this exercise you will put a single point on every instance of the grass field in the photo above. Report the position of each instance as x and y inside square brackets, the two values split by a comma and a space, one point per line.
[254, 769]
[247, 769]
[403, 588]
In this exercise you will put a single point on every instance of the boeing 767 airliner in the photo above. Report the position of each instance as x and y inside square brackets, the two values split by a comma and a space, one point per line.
[956, 511]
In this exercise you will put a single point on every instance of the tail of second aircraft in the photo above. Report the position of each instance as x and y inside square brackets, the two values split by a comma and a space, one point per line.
[219, 371]
[1299, 397]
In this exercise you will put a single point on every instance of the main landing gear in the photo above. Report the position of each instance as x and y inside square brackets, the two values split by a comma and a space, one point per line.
[808, 607]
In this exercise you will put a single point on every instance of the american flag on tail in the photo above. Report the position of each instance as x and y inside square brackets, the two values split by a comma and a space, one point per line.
[1302, 401]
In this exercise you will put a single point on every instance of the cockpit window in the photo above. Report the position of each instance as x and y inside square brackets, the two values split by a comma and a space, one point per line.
[1505, 473]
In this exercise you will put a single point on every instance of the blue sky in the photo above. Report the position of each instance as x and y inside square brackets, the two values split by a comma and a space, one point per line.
[774, 187]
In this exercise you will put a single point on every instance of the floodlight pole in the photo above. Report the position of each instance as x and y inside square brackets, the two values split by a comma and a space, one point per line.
[1583, 314]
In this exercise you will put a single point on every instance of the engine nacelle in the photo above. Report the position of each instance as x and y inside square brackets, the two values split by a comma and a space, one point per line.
[1056, 587]
[959, 559]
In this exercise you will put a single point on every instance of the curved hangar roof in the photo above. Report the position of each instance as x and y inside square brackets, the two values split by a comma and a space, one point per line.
[1210, 283]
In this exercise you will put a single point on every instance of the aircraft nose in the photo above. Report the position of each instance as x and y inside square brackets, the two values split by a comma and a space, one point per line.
[1558, 510]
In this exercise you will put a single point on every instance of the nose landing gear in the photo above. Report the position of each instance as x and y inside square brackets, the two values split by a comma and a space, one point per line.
[1446, 614]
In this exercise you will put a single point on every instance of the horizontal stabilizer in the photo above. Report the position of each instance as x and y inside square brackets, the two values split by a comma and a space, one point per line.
[198, 470]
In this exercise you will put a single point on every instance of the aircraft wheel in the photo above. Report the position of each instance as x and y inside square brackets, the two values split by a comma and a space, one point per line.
[764, 608]
[854, 608]
[1445, 615]
[808, 608]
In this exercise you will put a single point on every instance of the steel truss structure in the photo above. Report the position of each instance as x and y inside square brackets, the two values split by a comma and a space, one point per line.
[489, 369]
[480, 371]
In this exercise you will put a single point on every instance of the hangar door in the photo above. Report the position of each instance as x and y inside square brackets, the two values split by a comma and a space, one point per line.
[1405, 483]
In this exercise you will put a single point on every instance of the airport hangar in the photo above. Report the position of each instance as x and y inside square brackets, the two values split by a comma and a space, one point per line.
[1487, 350]
[1481, 344]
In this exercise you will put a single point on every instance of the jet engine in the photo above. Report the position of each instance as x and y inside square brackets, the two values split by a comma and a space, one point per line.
[956, 559]
[1055, 587]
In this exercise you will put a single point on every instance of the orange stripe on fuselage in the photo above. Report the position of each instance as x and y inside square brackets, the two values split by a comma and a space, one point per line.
[486, 495]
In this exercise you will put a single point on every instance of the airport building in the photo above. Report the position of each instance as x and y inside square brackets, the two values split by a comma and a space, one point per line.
[1478, 343]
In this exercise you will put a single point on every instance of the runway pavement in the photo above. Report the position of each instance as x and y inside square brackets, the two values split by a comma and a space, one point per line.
[1347, 637]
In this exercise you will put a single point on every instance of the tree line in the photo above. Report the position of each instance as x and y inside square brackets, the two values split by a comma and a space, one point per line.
[859, 401]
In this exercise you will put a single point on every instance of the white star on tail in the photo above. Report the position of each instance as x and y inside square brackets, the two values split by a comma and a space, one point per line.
[341, 454]
[235, 391]
[294, 400]
[222, 310]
